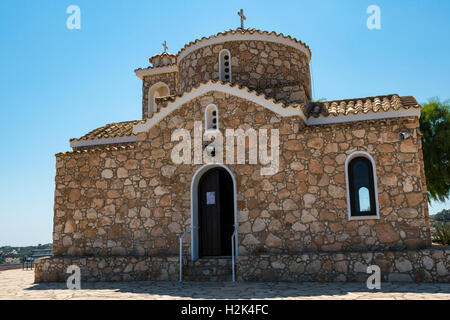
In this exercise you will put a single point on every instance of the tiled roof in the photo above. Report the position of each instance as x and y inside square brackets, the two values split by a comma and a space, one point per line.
[165, 100]
[258, 91]
[243, 31]
[327, 108]
[360, 105]
[224, 33]
[111, 130]
[408, 101]
[121, 129]
[163, 54]
[163, 59]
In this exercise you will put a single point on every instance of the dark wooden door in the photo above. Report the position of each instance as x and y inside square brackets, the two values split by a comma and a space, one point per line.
[216, 213]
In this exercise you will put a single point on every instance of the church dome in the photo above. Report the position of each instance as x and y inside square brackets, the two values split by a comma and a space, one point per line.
[267, 62]
[250, 33]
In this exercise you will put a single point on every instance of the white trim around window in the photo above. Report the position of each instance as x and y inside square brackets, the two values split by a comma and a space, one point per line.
[223, 67]
[209, 116]
[350, 157]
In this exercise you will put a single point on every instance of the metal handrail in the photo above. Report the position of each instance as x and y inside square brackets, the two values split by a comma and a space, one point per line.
[181, 251]
[233, 242]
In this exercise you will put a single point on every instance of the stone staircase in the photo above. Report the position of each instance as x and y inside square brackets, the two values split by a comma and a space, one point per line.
[208, 269]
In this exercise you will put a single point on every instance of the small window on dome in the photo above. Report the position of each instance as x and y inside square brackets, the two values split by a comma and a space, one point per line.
[225, 65]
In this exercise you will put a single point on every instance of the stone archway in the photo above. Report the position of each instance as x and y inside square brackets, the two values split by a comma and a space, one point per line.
[157, 90]
[196, 206]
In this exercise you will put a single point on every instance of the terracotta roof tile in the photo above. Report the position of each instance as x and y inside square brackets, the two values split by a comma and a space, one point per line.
[408, 101]
[111, 130]
[121, 129]
[361, 105]
[316, 109]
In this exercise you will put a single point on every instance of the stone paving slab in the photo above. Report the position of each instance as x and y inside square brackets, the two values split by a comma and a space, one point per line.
[18, 284]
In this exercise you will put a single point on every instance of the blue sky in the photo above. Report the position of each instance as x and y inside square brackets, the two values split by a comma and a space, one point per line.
[57, 83]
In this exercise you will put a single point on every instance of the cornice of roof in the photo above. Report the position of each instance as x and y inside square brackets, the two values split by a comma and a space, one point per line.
[142, 72]
[68, 153]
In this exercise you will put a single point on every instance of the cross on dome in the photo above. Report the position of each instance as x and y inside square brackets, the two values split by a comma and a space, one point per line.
[241, 14]
[165, 46]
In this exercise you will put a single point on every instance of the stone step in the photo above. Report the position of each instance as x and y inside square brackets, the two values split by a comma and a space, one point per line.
[208, 269]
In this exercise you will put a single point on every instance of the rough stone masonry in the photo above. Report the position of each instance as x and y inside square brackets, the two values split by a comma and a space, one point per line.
[121, 203]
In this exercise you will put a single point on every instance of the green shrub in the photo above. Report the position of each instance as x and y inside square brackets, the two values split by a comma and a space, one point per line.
[442, 234]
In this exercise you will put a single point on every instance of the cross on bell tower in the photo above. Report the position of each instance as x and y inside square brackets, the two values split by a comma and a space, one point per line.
[165, 46]
[241, 14]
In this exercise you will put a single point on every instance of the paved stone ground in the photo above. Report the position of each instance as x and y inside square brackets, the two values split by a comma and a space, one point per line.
[18, 284]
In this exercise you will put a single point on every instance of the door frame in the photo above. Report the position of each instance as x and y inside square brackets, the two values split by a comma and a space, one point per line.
[194, 206]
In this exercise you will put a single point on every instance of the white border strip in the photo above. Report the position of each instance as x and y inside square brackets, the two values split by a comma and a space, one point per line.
[207, 87]
[94, 142]
[245, 37]
[364, 116]
[151, 72]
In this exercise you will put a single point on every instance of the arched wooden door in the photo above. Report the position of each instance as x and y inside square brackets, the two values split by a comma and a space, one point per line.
[216, 213]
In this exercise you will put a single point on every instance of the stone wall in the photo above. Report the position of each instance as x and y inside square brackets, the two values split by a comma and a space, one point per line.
[277, 70]
[136, 201]
[321, 155]
[169, 78]
[109, 268]
[427, 265]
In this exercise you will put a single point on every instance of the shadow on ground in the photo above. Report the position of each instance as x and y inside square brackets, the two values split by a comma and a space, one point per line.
[250, 290]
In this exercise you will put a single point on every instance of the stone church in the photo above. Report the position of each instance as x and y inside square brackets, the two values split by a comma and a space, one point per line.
[348, 189]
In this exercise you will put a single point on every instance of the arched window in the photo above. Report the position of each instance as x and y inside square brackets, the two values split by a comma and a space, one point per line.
[157, 90]
[225, 65]
[211, 117]
[361, 186]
